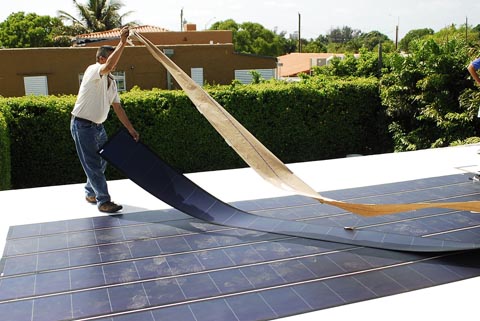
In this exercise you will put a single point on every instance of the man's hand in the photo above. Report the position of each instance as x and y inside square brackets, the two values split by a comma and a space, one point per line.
[124, 32]
[134, 134]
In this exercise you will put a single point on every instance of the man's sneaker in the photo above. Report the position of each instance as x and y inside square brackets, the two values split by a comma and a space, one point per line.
[91, 199]
[109, 207]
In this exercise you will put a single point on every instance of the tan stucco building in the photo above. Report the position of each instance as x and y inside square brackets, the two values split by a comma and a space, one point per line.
[207, 56]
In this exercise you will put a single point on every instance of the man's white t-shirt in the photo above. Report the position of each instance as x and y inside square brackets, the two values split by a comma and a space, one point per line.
[95, 96]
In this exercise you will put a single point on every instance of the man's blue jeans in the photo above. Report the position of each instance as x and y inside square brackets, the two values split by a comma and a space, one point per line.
[89, 137]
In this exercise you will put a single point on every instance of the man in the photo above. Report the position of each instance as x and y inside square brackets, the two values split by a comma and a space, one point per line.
[97, 93]
[472, 69]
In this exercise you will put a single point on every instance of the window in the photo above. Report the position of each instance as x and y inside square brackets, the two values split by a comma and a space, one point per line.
[35, 85]
[119, 77]
[197, 75]
[245, 76]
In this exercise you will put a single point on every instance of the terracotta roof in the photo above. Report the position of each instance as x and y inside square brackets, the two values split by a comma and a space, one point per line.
[115, 33]
[296, 63]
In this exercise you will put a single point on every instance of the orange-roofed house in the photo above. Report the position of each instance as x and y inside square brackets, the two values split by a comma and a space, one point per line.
[293, 64]
[207, 56]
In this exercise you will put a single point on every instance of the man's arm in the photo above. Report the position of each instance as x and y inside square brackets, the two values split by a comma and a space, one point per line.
[473, 72]
[122, 116]
[114, 57]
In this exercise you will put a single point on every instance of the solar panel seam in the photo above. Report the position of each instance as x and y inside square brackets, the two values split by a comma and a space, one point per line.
[405, 220]
[118, 242]
[257, 290]
[280, 238]
[412, 191]
[138, 224]
[405, 192]
[131, 225]
[391, 220]
[453, 230]
[206, 271]
[128, 241]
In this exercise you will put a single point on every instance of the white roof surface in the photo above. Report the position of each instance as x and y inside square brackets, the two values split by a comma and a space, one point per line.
[454, 301]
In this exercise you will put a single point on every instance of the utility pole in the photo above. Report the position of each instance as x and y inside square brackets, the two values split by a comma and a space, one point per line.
[181, 20]
[299, 33]
[466, 29]
[396, 37]
[396, 33]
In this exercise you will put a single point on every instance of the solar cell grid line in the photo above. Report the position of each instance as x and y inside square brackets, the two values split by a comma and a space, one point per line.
[180, 273]
[454, 181]
[176, 190]
[107, 272]
[337, 283]
[20, 260]
[277, 239]
[368, 222]
[467, 228]
[437, 193]
[15, 234]
[263, 263]
[166, 230]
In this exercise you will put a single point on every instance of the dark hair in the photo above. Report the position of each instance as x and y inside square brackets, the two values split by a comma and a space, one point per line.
[104, 51]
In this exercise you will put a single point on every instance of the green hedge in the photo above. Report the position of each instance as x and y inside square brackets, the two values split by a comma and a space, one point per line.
[5, 174]
[311, 121]
[297, 122]
[42, 153]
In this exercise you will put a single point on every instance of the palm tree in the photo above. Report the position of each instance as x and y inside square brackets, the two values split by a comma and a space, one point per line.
[96, 15]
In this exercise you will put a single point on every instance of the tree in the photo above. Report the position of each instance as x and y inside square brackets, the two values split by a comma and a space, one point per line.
[96, 15]
[22, 30]
[253, 38]
[290, 45]
[316, 45]
[343, 35]
[423, 95]
[346, 39]
[372, 39]
[471, 36]
[414, 35]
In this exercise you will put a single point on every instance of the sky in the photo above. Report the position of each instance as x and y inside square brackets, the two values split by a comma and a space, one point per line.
[316, 17]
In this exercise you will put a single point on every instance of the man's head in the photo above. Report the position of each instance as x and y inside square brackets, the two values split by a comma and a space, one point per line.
[103, 52]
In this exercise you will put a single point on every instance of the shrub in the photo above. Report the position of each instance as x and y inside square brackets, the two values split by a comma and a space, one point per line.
[5, 174]
[316, 119]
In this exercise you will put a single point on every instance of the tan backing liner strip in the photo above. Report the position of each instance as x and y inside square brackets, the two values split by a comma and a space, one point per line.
[264, 162]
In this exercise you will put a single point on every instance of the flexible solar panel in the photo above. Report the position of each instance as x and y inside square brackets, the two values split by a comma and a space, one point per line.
[167, 265]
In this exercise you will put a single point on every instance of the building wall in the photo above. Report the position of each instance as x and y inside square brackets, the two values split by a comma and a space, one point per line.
[62, 66]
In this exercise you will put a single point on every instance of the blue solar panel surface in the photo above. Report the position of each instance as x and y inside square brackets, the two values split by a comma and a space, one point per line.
[160, 265]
